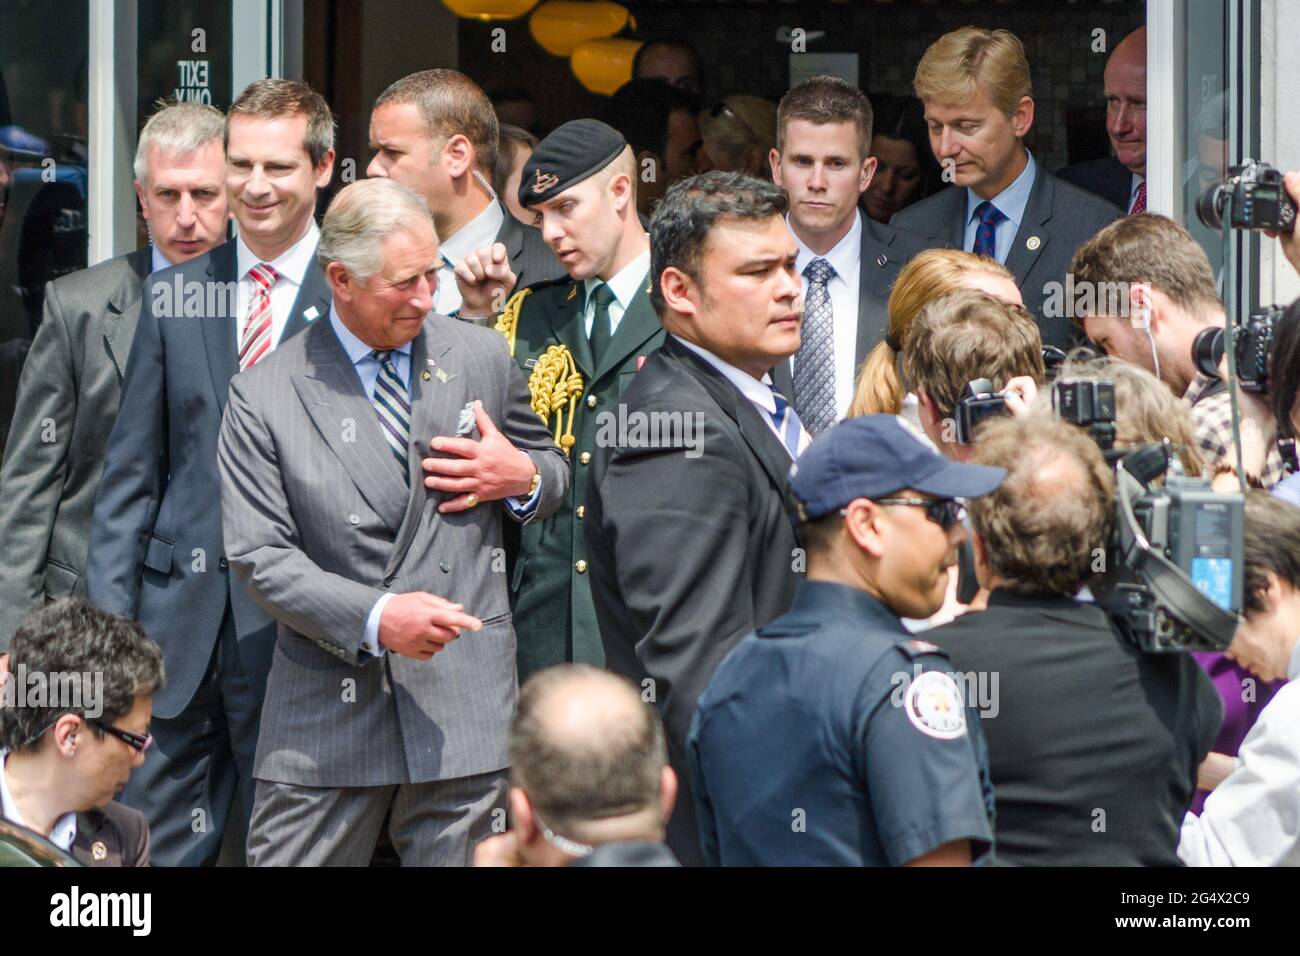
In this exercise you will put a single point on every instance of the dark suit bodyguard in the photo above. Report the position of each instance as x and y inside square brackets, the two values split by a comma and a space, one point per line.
[979, 106]
[580, 341]
[156, 549]
[689, 524]
[848, 261]
[368, 573]
[69, 393]
[436, 133]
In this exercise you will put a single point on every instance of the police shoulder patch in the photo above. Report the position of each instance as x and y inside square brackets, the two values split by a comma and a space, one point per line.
[934, 706]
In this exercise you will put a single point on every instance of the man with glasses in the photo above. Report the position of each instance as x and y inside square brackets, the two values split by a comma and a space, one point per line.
[830, 737]
[74, 723]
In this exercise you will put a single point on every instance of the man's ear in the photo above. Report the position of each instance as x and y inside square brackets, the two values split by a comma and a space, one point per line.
[667, 792]
[458, 155]
[1023, 118]
[862, 523]
[868, 170]
[677, 289]
[774, 160]
[1142, 306]
[342, 283]
[521, 818]
[620, 191]
[139, 194]
[928, 412]
[324, 170]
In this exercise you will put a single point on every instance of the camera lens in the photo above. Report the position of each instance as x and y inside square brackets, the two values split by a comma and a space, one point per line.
[1207, 351]
[1209, 206]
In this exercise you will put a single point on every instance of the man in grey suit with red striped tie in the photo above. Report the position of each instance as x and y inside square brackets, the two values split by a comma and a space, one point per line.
[156, 549]
[369, 573]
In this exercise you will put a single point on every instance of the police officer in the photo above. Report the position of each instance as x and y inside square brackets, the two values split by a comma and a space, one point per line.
[579, 340]
[830, 736]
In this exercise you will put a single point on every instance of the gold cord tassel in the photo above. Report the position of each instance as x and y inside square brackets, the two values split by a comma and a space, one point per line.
[554, 384]
[509, 317]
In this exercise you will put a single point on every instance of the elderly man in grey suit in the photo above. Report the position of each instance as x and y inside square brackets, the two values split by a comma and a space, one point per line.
[69, 391]
[369, 574]
[979, 106]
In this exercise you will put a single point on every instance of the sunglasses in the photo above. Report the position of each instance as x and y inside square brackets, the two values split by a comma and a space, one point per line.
[945, 512]
[136, 742]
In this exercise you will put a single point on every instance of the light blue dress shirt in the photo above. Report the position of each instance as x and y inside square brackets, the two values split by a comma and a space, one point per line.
[1012, 202]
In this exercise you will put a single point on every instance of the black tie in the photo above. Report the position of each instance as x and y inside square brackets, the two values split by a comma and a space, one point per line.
[601, 332]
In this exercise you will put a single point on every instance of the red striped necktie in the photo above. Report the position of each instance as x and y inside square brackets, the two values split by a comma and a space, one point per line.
[256, 340]
[1140, 200]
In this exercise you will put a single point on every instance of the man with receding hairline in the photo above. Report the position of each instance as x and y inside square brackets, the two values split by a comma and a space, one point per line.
[591, 785]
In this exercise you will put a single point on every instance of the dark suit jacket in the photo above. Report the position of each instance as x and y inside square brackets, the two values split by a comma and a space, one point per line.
[1108, 178]
[531, 259]
[156, 549]
[69, 393]
[885, 250]
[629, 853]
[687, 555]
[1058, 219]
[111, 836]
[13, 355]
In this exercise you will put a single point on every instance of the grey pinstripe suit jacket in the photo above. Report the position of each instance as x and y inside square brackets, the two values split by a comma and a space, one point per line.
[319, 523]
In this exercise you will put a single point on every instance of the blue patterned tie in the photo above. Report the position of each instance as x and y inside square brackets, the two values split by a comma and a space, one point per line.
[986, 242]
[393, 406]
[788, 425]
[814, 363]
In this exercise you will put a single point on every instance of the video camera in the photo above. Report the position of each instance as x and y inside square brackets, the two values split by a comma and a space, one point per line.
[1173, 579]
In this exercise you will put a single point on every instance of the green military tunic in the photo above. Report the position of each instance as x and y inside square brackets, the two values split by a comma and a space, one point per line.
[550, 594]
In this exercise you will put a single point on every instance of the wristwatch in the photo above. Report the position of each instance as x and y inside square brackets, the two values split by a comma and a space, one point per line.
[532, 489]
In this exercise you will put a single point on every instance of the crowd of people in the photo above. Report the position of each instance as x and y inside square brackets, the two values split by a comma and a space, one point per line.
[615, 498]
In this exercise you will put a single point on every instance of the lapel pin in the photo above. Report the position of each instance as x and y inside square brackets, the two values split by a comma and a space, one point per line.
[310, 314]
[98, 851]
[1032, 243]
[425, 376]
[573, 291]
[882, 260]
[442, 376]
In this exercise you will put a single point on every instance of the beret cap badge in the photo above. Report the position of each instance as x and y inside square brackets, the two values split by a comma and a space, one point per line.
[544, 181]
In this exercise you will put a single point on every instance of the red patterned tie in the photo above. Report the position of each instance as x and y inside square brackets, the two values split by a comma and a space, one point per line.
[1140, 201]
[256, 340]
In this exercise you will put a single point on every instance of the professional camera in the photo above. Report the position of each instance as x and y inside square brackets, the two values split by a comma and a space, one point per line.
[1089, 404]
[977, 405]
[1253, 343]
[1175, 583]
[1259, 199]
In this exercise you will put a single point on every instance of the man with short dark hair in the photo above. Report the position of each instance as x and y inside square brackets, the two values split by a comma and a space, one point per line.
[674, 62]
[956, 339]
[64, 759]
[435, 132]
[590, 781]
[661, 124]
[1109, 789]
[690, 540]
[848, 261]
[156, 549]
[832, 716]
[979, 105]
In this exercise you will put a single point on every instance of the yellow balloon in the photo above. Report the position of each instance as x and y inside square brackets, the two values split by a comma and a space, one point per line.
[489, 9]
[602, 66]
[560, 25]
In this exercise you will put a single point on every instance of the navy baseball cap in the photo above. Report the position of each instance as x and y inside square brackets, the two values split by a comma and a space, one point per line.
[875, 456]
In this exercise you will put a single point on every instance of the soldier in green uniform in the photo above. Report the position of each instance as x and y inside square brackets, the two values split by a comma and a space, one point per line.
[579, 340]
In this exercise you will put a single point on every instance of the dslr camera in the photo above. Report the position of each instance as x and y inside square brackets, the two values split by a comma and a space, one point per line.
[1252, 341]
[978, 403]
[1259, 199]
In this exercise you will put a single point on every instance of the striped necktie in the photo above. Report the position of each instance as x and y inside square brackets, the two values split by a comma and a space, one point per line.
[256, 340]
[393, 406]
[788, 425]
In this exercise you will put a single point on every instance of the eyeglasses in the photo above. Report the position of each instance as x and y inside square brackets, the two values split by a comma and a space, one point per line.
[136, 742]
[945, 512]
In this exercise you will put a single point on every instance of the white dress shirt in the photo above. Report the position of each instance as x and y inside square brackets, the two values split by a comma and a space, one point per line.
[1253, 817]
[1011, 202]
[291, 265]
[480, 231]
[624, 284]
[758, 392]
[65, 828]
[843, 288]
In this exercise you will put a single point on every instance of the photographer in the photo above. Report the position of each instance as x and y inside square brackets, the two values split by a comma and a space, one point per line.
[65, 757]
[1110, 789]
[1252, 818]
[1152, 293]
[957, 339]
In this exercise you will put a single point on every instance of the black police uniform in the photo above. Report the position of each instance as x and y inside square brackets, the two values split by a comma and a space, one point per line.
[832, 737]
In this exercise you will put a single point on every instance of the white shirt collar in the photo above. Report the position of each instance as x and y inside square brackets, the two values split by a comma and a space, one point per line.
[356, 349]
[758, 392]
[624, 283]
[843, 256]
[65, 828]
[478, 232]
[291, 264]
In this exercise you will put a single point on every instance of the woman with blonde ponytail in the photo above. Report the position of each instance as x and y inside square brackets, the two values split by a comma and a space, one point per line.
[931, 274]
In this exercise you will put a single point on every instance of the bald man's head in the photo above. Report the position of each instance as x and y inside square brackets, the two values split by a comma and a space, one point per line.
[584, 747]
[1126, 101]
